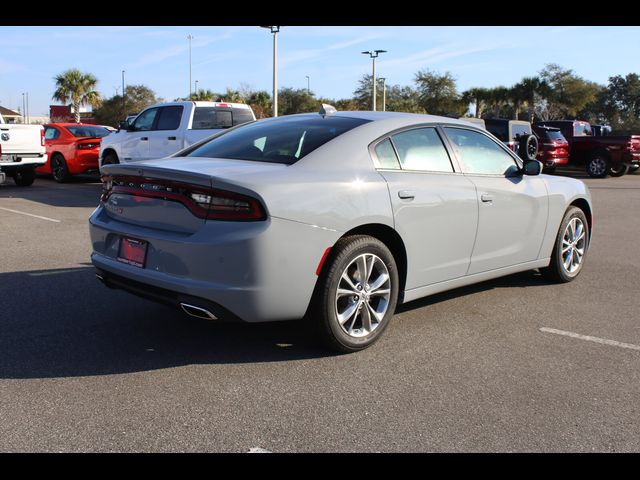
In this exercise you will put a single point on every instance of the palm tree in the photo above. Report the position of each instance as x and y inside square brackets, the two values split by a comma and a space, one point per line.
[232, 96]
[478, 96]
[532, 88]
[204, 96]
[77, 88]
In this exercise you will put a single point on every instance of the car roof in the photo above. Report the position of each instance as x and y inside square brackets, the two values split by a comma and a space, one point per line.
[389, 117]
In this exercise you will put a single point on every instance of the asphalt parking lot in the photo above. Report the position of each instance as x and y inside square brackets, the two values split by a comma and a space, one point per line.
[515, 364]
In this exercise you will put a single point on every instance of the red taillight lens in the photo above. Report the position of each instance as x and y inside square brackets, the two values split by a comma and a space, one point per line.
[207, 203]
[42, 138]
[87, 146]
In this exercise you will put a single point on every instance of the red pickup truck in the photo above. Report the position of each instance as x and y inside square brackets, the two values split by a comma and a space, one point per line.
[602, 155]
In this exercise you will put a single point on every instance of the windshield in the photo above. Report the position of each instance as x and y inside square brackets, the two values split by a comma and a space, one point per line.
[284, 140]
[87, 131]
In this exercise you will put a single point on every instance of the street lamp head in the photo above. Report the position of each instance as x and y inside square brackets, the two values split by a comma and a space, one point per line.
[380, 51]
[273, 28]
[374, 53]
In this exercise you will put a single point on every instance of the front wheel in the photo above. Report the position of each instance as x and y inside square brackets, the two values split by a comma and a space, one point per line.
[570, 248]
[356, 295]
[24, 177]
[598, 166]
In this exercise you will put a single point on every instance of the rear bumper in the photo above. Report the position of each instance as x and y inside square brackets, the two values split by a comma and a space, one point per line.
[256, 271]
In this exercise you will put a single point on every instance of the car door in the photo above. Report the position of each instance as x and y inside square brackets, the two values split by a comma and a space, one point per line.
[512, 207]
[165, 139]
[135, 147]
[435, 208]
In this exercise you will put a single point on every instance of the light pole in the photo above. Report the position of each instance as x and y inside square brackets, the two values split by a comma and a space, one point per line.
[124, 96]
[384, 94]
[189, 37]
[28, 119]
[196, 92]
[274, 29]
[24, 111]
[374, 54]
[308, 88]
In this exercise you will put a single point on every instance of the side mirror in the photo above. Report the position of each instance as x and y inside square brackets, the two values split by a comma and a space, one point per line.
[124, 125]
[532, 167]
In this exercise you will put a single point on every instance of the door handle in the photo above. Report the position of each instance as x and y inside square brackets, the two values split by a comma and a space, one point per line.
[171, 138]
[485, 197]
[144, 138]
[407, 194]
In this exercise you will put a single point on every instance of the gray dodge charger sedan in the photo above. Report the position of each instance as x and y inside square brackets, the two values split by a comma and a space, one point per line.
[334, 217]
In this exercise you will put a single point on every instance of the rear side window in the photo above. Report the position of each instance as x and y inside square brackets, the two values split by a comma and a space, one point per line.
[51, 133]
[207, 118]
[422, 149]
[282, 140]
[169, 117]
[386, 156]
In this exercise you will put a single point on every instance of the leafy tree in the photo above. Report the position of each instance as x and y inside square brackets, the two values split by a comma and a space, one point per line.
[78, 89]
[568, 93]
[205, 96]
[403, 99]
[498, 103]
[478, 97]
[362, 96]
[438, 94]
[298, 100]
[138, 97]
[260, 102]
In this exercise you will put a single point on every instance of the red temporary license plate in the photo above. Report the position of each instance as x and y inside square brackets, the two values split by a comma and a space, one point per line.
[132, 251]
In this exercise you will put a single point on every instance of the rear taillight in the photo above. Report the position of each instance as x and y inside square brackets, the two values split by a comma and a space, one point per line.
[203, 202]
[42, 144]
[87, 146]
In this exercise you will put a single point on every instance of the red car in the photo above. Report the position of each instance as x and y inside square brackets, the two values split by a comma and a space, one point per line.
[73, 149]
[553, 148]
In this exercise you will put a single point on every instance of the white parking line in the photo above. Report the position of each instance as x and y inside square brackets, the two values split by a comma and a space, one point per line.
[31, 215]
[258, 450]
[589, 338]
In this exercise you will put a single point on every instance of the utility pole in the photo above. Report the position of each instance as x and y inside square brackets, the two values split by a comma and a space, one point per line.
[124, 109]
[374, 54]
[189, 37]
[275, 29]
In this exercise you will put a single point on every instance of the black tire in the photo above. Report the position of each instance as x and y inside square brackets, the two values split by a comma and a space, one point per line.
[326, 303]
[527, 147]
[556, 271]
[633, 168]
[618, 170]
[24, 177]
[598, 165]
[110, 158]
[59, 169]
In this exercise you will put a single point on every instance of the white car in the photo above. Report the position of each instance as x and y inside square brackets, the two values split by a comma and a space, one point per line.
[336, 218]
[164, 129]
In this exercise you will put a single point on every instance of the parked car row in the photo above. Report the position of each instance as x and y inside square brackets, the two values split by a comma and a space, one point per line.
[561, 142]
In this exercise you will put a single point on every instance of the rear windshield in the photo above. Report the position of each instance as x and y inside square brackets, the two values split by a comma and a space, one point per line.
[285, 140]
[86, 131]
[498, 128]
[553, 135]
[219, 117]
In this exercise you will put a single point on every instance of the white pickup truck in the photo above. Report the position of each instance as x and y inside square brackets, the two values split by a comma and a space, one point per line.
[164, 129]
[22, 149]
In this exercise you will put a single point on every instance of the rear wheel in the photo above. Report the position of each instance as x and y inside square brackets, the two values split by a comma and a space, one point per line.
[24, 177]
[618, 170]
[356, 295]
[570, 248]
[59, 169]
[598, 165]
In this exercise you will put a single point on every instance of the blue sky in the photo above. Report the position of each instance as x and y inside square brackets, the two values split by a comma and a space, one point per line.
[231, 56]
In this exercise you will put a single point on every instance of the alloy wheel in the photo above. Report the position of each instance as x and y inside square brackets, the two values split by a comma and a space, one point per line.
[573, 245]
[363, 295]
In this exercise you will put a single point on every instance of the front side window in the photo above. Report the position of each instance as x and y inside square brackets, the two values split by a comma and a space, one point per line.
[282, 140]
[144, 121]
[169, 117]
[480, 154]
[422, 149]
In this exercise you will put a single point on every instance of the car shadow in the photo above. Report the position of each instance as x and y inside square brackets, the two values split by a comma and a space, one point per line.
[80, 191]
[530, 278]
[65, 323]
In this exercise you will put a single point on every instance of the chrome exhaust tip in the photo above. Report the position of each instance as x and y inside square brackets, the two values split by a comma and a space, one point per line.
[197, 312]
